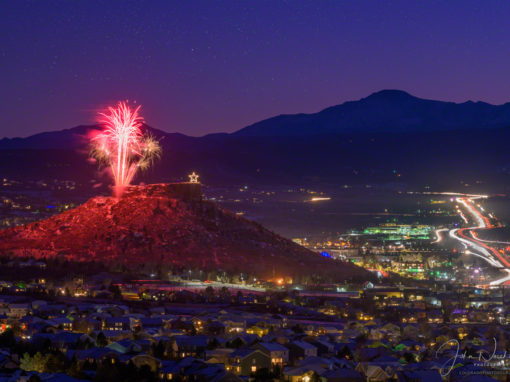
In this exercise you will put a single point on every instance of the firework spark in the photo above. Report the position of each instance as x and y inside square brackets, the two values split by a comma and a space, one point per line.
[122, 146]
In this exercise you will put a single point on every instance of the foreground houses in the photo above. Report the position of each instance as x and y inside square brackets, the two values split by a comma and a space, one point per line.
[377, 334]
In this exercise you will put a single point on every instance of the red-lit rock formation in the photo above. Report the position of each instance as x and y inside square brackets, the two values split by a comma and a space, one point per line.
[171, 224]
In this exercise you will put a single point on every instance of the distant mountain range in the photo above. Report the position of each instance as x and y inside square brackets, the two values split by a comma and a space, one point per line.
[385, 111]
[388, 137]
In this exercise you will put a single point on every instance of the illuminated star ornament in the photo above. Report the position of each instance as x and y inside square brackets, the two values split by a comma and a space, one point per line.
[121, 145]
[193, 178]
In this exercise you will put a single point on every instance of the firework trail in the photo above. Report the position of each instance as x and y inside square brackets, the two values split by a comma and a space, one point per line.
[122, 146]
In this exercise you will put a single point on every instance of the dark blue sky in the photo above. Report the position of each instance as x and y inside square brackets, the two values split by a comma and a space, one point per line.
[209, 66]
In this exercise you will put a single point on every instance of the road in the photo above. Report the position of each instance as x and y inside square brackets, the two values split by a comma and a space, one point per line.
[489, 250]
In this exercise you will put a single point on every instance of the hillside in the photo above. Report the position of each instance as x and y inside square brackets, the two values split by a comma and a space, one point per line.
[168, 224]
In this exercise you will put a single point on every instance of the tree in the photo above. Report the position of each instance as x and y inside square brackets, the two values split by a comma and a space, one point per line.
[213, 344]
[158, 350]
[224, 291]
[55, 363]
[209, 292]
[137, 333]
[75, 370]
[236, 343]
[107, 371]
[117, 294]
[35, 363]
[426, 330]
[7, 339]
[101, 340]
[263, 374]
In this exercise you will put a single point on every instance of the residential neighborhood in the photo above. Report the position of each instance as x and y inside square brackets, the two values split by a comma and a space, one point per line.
[97, 330]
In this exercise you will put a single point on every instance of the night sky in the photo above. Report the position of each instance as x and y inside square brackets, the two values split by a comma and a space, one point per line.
[199, 67]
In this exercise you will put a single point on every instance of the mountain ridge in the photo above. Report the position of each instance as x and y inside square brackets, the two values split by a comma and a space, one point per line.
[348, 117]
[304, 155]
[385, 111]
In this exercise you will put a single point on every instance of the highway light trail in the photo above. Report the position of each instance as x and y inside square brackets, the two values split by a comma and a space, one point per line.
[476, 246]
[439, 238]
[483, 222]
[489, 252]
[501, 280]
[482, 252]
[475, 235]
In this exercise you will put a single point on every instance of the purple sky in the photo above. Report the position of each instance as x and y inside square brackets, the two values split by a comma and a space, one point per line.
[209, 66]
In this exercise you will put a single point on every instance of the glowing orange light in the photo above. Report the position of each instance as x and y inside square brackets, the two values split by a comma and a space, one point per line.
[193, 178]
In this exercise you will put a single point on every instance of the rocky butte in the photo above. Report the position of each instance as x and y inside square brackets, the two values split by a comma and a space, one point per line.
[171, 225]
